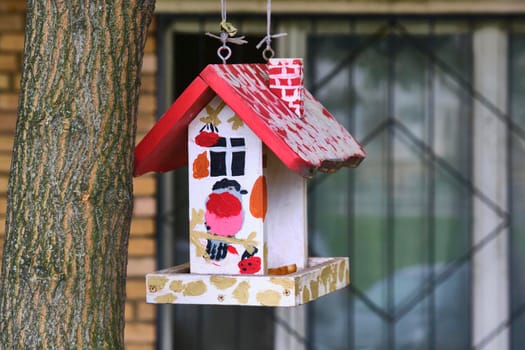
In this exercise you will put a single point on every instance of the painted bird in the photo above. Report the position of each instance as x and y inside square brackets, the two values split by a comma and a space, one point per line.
[224, 215]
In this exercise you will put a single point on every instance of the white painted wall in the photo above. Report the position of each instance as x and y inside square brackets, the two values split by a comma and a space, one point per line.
[200, 188]
[286, 220]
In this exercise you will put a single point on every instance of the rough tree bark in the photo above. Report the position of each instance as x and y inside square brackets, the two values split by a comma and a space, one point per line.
[70, 187]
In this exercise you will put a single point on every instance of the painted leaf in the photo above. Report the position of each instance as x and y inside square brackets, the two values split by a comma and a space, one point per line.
[259, 198]
[236, 122]
[201, 166]
[232, 250]
[251, 236]
[213, 114]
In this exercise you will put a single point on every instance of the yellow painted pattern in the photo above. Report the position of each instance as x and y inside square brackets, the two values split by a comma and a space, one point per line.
[236, 122]
[314, 288]
[285, 283]
[156, 283]
[222, 282]
[166, 298]
[213, 114]
[306, 295]
[265, 255]
[269, 298]
[176, 286]
[342, 266]
[194, 288]
[241, 293]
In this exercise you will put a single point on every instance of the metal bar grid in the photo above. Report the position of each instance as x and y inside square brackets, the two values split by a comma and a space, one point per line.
[390, 199]
[393, 317]
[351, 321]
[517, 311]
[431, 188]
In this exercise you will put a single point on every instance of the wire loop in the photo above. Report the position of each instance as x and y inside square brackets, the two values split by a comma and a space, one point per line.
[268, 53]
[227, 35]
[224, 57]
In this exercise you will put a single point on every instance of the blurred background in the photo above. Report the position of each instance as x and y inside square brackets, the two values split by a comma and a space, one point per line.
[433, 219]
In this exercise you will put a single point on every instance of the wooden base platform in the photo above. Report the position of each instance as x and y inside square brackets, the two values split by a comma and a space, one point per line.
[176, 285]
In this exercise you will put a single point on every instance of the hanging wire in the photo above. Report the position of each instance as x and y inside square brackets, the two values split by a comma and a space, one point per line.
[268, 52]
[227, 35]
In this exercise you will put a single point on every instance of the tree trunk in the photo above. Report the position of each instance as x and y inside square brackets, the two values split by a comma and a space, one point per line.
[70, 187]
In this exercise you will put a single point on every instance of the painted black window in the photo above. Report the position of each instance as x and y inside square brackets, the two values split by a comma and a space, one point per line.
[228, 157]
[217, 163]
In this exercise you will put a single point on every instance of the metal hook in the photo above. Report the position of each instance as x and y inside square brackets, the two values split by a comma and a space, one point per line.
[268, 53]
[222, 56]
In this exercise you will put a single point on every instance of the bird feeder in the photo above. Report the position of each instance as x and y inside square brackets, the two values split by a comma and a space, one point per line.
[251, 135]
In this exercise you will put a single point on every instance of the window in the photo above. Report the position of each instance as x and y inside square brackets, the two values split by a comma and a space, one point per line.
[404, 212]
[432, 219]
[227, 157]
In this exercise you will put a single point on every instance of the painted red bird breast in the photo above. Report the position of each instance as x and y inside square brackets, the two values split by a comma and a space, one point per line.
[223, 204]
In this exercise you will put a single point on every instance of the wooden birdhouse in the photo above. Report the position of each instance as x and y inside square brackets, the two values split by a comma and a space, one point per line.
[251, 135]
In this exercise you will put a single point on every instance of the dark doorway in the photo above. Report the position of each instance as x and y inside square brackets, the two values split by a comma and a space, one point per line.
[193, 52]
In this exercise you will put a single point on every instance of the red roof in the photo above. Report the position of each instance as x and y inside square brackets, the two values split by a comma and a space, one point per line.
[317, 141]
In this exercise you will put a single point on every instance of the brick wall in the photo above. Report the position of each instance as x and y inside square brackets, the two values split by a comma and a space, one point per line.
[140, 317]
[12, 18]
